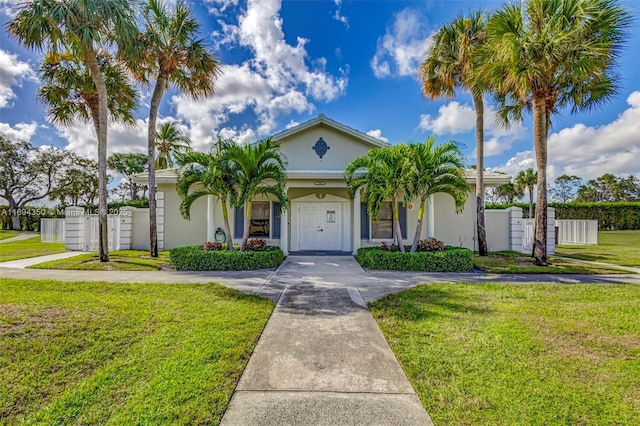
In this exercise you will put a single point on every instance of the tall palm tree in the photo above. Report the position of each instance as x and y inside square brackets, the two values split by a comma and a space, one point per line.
[381, 174]
[169, 52]
[209, 174]
[169, 142]
[545, 55]
[83, 28]
[526, 179]
[449, 65]
[432, 170]
[258, 169]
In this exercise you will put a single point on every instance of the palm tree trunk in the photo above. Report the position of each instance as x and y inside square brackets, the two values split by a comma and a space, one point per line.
[101, 133]
[161, 84]
[416, 237]
[483, 249]
[530, 202]
[247, 225]
[227, 228]
[540, 144]
[396, 226]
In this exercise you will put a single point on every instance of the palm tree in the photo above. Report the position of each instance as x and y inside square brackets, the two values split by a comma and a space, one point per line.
[381, 173]
[258, 169]
[169, 52]
[527, 179]
[449, 65]
[545, 55]
[210, 175]
[432, 170]
[84, 29]
[169, 143]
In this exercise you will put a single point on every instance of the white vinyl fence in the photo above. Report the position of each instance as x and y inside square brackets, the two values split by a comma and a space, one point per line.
[52, 230]
[528, 226]
[578, 232]
[92, 231]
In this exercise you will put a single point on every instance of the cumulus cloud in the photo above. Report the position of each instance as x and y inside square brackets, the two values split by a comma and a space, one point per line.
[21, 131]
[454, 118]
[590, 152]
[277, 80]
[338, 16]
[13, 72]
[377, 133]
[401, 50]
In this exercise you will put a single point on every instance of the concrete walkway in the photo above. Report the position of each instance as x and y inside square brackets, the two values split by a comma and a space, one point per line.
[23, 263]
[321, 359]
[22, 236]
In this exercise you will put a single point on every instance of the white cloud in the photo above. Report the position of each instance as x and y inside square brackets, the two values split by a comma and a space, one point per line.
[21, 131]
[291, 124]
[401, 50]
[377, 133]
[279, 78]
[454, 118]
[10, 7]
[590, 152]
[13, 72]
[338, 16]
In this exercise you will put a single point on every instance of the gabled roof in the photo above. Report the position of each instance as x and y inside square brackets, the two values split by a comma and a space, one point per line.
[323, 119]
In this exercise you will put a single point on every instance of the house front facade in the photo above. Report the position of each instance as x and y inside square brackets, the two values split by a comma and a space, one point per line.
[321, 216]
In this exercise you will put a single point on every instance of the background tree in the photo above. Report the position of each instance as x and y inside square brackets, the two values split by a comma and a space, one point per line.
[434, 169]
[128, 165]
[169, 52]
[565, 188]
[509, 192]
[169, 143]
[546, 55]
[610, 188]
[527, 179]
[257, 169]
[78, 183]
[450, 64]
[209, 174]
[28, 174]
[381, 176]
[84, 29]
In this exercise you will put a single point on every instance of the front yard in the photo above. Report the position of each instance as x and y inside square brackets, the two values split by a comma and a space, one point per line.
[519, 354]
[619, 247]
[121, 260]
[32, 247]
[510, 262]
[101, 353]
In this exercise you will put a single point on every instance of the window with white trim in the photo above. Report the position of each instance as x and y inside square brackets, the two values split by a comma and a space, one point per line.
[382, 228]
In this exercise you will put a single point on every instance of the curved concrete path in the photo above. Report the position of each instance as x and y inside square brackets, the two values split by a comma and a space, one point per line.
[322, 359]
[20, 237]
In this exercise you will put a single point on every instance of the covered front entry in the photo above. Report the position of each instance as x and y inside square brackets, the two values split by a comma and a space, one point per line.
[320, 224]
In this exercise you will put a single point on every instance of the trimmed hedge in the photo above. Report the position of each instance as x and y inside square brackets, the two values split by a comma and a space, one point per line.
[619, 216]
[195, 258]
[453, 259]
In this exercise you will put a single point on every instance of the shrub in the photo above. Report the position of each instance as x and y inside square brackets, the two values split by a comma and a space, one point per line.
[431, 244]
[196, 258]
[386, 247]
[255, 244]
[213, 246]
[452, 259]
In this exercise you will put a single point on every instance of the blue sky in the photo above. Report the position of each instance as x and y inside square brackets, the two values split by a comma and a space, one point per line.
[355, 61]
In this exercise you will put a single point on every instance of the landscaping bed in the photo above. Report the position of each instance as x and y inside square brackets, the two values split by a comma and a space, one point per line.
[527, 354]
[452, 259]
[106, 353]
[120, 260]
[196, 258]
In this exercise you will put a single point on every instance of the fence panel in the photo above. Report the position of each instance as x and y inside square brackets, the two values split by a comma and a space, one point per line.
[527, 235]
[92, 232]
[577, 232]
[52, 230]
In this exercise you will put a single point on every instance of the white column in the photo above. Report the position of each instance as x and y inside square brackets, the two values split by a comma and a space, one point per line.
[160, 218]
[551, 231]
[356, 223]
[211, 208]
[284, 228]
[431, 220]
[126, 227]
[515, 228]
[74, 228]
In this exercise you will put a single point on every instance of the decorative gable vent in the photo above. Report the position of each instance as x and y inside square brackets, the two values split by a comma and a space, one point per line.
[321, 148]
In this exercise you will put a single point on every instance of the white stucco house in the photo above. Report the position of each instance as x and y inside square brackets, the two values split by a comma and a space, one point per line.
[321, 216]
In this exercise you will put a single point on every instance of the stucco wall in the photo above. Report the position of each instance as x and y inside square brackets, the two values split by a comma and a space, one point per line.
[498, 225]
[179, 231]
[455, 229]
[300, 155]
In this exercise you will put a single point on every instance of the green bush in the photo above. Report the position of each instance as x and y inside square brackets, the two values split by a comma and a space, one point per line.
[195, 258]
[453, 259]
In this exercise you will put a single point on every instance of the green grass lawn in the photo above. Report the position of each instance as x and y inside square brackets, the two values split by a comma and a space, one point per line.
[618, 247]
[28, 248]
[101, 353]
[122, 260]
[509, 262]
[4, 234]
[494, 354]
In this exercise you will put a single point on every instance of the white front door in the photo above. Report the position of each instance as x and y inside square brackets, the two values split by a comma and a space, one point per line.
[320, 226]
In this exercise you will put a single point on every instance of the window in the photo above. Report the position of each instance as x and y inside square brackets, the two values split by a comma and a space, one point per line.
[382, 228]
[260, 214]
